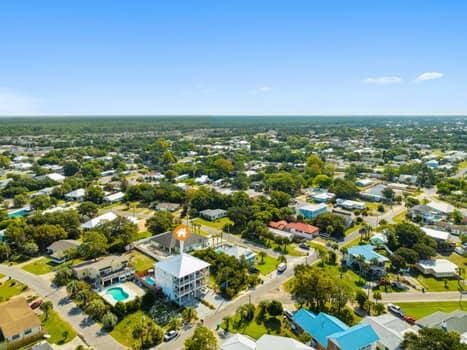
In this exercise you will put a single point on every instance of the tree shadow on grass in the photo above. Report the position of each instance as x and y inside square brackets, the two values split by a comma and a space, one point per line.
[273, 324]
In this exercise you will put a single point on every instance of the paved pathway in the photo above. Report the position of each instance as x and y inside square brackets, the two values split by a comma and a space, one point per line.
[419, 297]
[88, 330]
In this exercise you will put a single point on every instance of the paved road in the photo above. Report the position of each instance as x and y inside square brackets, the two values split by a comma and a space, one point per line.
[89, 330]
[419, 297]
[268, 290]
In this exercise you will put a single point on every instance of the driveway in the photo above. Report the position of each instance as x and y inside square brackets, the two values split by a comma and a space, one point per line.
[89, 331]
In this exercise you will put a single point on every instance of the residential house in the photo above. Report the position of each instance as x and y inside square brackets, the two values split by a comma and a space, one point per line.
[239, 253]
[349, 204]
[213, 214]
[408, 179]
[265, 342]
[374, 194]
[114, 197]
[167, 243]
[104, 271]
[364, 182]
[182, 278]
[426, 214]
[19, 325]
[76, 195]
[455, 321]
[437, 235]
[442, 207]
[390, 330]
[439, 268]
[330, 333]
[299, 229]
[375, 262]
[56, 177]
[99, 220]
[165, 206]
[311, 211]
[59, 250]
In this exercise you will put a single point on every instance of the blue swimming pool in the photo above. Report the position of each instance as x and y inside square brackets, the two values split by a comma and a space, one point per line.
[18, 213]
[118, 294]
[149, 280]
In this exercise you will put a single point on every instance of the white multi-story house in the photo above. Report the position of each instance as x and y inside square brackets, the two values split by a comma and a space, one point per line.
[182, 278]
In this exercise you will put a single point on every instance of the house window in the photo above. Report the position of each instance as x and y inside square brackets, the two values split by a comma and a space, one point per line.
[16, 336]
[28, 331]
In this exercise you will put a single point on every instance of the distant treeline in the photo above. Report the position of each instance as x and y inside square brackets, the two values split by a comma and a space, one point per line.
[17, 126]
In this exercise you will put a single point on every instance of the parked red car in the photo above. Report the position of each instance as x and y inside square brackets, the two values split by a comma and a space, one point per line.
[36, 304]
[410, 319]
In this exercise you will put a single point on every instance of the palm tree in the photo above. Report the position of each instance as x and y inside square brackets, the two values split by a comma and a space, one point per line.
[72, 288]
[227, 320]
[261, 255]
[282, 259]
[189, 314]
[46, 307]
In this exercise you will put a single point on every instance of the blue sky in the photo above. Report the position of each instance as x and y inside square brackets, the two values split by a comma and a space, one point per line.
[233, 57]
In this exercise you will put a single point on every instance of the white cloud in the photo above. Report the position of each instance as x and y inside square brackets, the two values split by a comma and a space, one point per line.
[429, 76]
[261, 90]
[385, 80]
[14, 103]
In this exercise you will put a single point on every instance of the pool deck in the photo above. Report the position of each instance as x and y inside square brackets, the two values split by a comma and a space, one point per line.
[129, 287]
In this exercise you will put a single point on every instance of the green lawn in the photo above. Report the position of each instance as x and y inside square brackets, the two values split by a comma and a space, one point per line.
[141, 235]
[349, 277]
[353, 242]
[291, 249]
[433, 284]
[400, 217]
[60, 331]
[39, 267]
[463, 164]
[268, 266]
[11, 288]
[352, 229]
[217, 224]
[419, 310]
[123, 331]
[2, 275]
[255, 329]
[141, 262]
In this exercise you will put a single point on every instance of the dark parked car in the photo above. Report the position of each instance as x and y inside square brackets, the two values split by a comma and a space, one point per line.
[304, 246]
[36, 304]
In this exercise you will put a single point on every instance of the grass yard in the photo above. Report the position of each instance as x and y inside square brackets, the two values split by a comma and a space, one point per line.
[463, 165]
[217, 224]
[141, 262]
[2, 275]
[352, 243]
[11, 288]
[432, 284]
[60, 331]
[142, 235]
[420, 310]
[39, 267]
[268, 266]
[255, 329]
[291, 249]
[353, 228]
[349, 277]
[123, 331]
[400, 217]
[456, 259]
